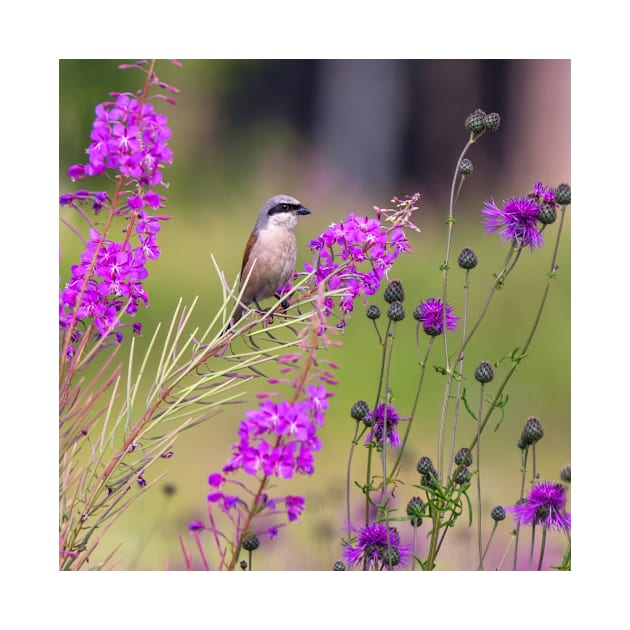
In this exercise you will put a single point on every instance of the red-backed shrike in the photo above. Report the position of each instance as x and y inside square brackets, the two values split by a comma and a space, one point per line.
[271, 251]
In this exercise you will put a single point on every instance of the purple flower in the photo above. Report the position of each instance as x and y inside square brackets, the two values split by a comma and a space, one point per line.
[295, 507]
[543, 193]
[114, 272]
[516, 221]
[318, 401]
[372, 548]
[278, 439]
[215, 480]
[544, 505]
[354, 256]
[382, 414]
[130, 138]
[431, 314]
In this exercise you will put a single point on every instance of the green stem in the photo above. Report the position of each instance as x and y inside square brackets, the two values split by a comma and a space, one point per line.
[423, 365]
[542, 547]
[479, 480]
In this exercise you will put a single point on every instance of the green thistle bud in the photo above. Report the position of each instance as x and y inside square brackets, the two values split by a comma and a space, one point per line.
[463, 476]
[546, 214]
[394, 292]
[565, 474]
[359, 410]
[533, 431]
[431, 330]
[484, 372]
[251, 543]
[521, 443]
[390, 556]
[243, 565]
[497, 513]
[465, 167]
[425, 465]
[414, 509]
[492, 121]
[467, 258]
[429, 480]
[339, 566]
[563, 194]
[463, 456]
[475, 121]
[396, 312]
[373, 312]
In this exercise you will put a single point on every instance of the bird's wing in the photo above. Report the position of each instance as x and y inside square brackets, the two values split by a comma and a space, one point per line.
[248, 249]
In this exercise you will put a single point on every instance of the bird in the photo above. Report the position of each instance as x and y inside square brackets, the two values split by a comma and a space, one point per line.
[271, 252]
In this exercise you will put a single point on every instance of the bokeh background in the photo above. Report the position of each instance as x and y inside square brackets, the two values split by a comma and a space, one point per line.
[343, 136]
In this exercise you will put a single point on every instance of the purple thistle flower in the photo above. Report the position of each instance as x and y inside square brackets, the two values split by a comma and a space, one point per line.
[372, 546]
[516, 221]
[544, 505]
[543, 193]
[382, 414]
[430, 314]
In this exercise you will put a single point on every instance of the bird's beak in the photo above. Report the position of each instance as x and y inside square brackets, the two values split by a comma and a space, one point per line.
[303, 210]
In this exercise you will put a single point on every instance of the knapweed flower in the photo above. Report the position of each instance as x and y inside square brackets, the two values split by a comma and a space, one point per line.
[517, 220]
[355, 255]
[431, 314]
[378, 547]
[384, 415]
[544, 505]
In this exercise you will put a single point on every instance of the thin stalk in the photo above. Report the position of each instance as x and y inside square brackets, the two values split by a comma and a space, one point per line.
[460, 369]
[423, 365]
[348, 476]
[483, 557]
[460, 354]
[479, 533]
[542, 548]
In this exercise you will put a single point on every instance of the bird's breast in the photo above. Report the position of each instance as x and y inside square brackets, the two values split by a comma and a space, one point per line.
[271, 262]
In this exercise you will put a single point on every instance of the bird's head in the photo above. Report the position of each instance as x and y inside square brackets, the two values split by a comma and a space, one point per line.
[281, 211]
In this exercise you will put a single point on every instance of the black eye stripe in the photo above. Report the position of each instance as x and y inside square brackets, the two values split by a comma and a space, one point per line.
[283, 207]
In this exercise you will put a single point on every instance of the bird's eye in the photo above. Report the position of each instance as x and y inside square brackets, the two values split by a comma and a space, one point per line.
[285, 206]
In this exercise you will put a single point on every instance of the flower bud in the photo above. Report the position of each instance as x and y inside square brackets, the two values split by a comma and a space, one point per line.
[563, 194]
[394, 292]
[396, 312]
[484, 372]
[467, 258]
[475, 121]
[465, 167]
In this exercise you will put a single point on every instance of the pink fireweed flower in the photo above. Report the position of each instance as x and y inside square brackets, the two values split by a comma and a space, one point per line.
[130, 139]
[117, 273]
[278, 439]
[355, 255]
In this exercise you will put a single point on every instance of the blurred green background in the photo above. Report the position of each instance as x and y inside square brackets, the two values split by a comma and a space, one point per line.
[343, 136]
